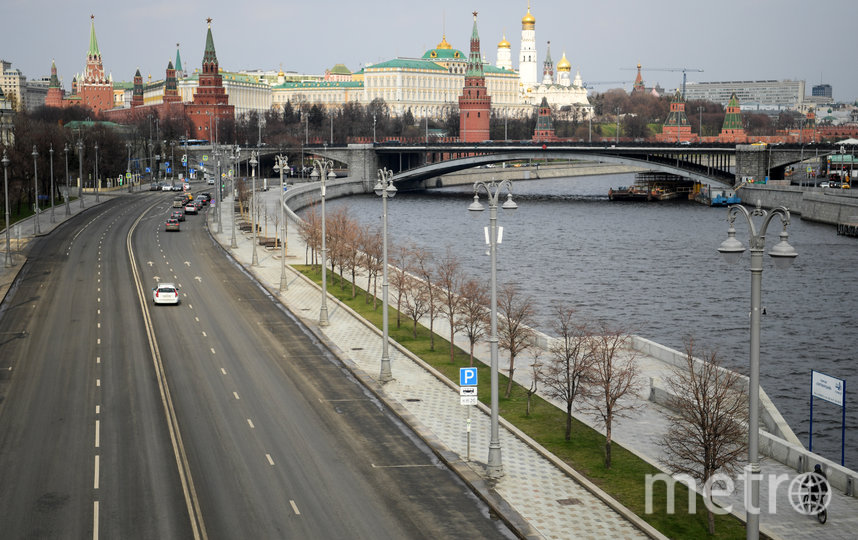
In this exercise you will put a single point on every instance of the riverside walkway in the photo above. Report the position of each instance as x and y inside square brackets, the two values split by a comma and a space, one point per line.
[538, 495]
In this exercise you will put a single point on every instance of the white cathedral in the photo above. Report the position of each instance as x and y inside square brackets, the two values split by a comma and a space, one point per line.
[562, 91]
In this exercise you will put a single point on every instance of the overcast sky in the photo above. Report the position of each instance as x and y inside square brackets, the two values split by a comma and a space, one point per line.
[728, 39]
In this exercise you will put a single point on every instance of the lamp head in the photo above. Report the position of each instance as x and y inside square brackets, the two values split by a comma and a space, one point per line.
[476, 206]
[35, 152]
[315, 174]
[5, 159]
[378, 188]
[391, 190]
[509, 204]
[332, 174]
[783, 254]
[731, 249]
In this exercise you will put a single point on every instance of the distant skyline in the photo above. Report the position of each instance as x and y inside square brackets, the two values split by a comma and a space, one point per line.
[730, 40]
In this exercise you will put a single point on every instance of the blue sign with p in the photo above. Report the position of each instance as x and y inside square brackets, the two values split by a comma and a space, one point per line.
[468, 376]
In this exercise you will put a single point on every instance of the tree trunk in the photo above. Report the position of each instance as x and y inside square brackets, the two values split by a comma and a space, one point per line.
[568, 434]
[511, 373]
[608, 445]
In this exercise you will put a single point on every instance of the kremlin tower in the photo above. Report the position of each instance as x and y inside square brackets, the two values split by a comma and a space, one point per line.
[474, 103]
[94, 89]
[548, 67]
[527, 55]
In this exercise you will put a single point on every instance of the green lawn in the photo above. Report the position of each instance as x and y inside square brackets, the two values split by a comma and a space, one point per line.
[584, 452]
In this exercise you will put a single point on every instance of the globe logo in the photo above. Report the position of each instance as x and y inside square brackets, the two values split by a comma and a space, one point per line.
[809, 493]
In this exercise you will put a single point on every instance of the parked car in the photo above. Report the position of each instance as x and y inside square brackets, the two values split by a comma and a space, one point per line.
[178, 202]
[172, 225]
[165, 293]
[178, 215]
[190, 208]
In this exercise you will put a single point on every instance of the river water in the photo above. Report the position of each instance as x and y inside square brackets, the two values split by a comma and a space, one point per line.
[654, 269]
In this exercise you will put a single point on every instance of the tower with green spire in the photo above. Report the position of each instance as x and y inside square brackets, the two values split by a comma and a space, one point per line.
[676, 127]
[94, 88]
[733, 130]
[180, 72]
[211, 102]
[474, 103]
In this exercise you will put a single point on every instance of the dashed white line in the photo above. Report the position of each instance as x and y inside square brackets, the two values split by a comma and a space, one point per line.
[204, 334]
[94, 520]
[97, 359]
[250, 423]
[270, 461]
[196, 318]
[222, 370]
[294, 507]
[97, 433]
[98, 409]
[97, 382]
[95, 480]
[98, 325]
[212, 350]
[236, 395]
[98, 341]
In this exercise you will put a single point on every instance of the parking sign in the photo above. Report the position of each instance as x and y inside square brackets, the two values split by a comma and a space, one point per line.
[468, 376]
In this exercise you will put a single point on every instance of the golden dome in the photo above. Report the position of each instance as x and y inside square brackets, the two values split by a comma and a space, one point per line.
[528, 21]
[504, 44]
[563, 64]
[444, 44]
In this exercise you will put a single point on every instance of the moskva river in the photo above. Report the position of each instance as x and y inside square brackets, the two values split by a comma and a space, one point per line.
[654, 269]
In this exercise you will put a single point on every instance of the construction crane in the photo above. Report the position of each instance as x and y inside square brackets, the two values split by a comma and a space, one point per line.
[683, 70]
[589, 85]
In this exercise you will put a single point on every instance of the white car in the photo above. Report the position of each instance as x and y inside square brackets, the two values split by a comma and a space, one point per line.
[165, 293]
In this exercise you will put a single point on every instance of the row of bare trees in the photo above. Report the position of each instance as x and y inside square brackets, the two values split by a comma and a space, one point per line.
[591, 364]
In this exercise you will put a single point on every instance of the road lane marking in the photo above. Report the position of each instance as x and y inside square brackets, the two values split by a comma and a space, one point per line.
[223, 371]
[294, 507]
[97, 359]
[97, 382]
[236, 395]
[270, 461]
[98, 341]
[204, 333]
[97, 409]
[196, 318]
[99, 325]
[95, 480]
[97, 433]
[250, 422]
[94, 520]
[212, 350]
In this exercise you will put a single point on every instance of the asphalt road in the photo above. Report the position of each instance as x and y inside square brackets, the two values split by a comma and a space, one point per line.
[265, 434]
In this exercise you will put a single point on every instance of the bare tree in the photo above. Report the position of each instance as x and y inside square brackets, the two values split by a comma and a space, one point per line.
[449, 279]
[615, 375]
[425, 269]
[536, 369]
[416, 300]
[708, 404]
[310, 231]
[399, 278]
[568, 372]
[515, 319]
[371, 260]
[473, 311]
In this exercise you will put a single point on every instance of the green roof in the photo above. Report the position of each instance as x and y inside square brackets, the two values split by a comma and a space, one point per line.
[405, 63]
[75, 124]
[444, 54]
[209, 56]
[123, 85]
[488, 68]
[340, 69]
[321, 84]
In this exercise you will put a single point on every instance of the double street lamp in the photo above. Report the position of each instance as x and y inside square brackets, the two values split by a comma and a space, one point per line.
[253, 162]
[53, 219]
[68, 194]
[36, 229]
[322, 170]
[385, 189]
[80, 172]
[494, 466]
[95, 180]
[282, 163]
[783, 255]
[8, 258]
[235, 156]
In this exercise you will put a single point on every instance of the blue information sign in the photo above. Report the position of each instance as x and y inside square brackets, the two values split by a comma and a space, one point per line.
[468, 376]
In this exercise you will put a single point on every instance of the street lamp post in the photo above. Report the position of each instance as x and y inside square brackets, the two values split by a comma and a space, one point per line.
[253, 162]
[53, 219]
[494, 465]
[282, 163]
[95, 180]
[8, 258]
[128, 168]
[235, 156]
[219, 180]
[618, 111]
[783, 254]
[36, 229]
[384, 188]
[322, 170]
[80, 172]
[151, 162]
[68, 195]
[173, 163]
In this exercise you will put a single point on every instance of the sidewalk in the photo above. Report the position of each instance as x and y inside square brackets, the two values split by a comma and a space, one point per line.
[535, 486]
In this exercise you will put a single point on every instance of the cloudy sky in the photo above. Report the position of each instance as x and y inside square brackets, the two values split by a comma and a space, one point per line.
[728, 39]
